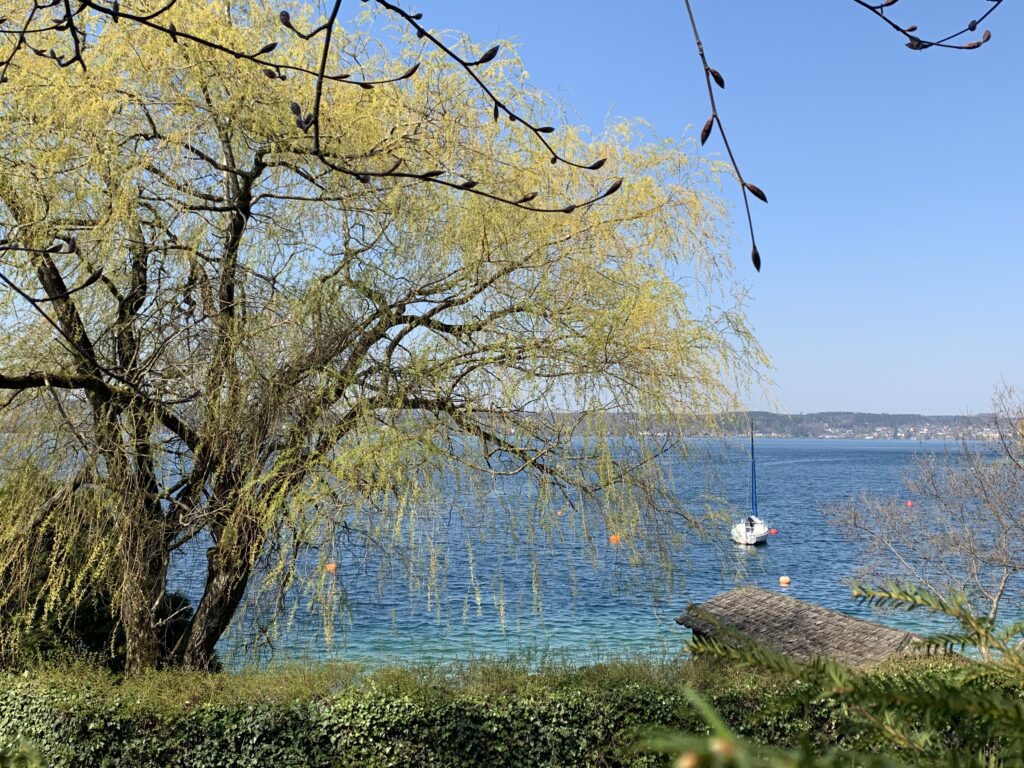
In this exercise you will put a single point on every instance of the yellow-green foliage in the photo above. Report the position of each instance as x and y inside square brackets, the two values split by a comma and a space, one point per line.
[258, 348]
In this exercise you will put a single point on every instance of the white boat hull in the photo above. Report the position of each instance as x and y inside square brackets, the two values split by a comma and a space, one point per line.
[750, 531]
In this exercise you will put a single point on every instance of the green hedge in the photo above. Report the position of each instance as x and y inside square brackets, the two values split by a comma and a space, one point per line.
[366, 724]
[483, 715]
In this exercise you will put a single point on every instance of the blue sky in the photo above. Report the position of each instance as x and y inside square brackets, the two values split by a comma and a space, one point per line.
[892, 248]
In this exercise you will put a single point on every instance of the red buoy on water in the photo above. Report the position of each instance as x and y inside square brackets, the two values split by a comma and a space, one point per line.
[910, 503]
[773, 531]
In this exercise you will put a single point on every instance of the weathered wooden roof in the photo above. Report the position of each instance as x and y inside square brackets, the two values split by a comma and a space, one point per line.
[796, 628]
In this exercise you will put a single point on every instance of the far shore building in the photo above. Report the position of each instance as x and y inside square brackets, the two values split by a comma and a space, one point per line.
[796, 628]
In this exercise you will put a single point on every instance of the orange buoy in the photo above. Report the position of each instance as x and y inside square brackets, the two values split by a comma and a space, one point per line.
[614, 539]
[773, 531]
[910, 503]
[784, 581]
[331, 567]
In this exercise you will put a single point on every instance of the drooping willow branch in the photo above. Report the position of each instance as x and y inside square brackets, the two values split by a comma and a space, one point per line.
[73, 10]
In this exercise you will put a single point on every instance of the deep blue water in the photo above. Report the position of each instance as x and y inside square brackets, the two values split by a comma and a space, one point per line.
[587, 613]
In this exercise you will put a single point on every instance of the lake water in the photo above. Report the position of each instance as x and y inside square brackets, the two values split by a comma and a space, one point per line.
[587, 614]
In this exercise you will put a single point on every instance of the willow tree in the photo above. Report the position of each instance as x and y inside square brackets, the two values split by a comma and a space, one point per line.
[221, 328]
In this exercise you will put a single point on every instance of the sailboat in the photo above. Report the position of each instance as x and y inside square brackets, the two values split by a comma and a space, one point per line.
[751, 530]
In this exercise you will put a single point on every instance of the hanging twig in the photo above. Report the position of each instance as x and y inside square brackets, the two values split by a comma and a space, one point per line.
[878, 9]
[716, 121]
[916, 43]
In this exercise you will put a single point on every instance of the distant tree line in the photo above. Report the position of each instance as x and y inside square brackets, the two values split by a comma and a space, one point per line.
[734, 423]
[813, 424]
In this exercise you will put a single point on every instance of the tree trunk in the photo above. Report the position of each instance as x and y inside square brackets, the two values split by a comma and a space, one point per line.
[227, 576]
[144, 581]
[141, 598]
[143, 649]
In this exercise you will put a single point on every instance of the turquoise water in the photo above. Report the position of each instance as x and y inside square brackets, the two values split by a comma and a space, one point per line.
[588, 613]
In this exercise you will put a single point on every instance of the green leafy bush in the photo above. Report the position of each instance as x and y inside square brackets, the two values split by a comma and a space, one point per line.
[471, 715]
[423, 717]
[19, 757]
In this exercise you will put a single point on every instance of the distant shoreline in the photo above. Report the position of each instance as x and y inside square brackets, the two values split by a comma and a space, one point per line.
[847, 425]
[866, 438]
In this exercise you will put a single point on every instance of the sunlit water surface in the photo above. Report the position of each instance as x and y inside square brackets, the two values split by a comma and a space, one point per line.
[588, 614]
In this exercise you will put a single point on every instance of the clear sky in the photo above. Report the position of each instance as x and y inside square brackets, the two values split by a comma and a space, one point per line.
[892, 246]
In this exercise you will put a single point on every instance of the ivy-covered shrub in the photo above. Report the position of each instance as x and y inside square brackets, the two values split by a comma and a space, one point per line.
[480, 715]
[19, 757]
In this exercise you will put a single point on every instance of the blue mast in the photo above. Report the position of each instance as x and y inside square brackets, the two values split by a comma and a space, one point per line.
[753, 473]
